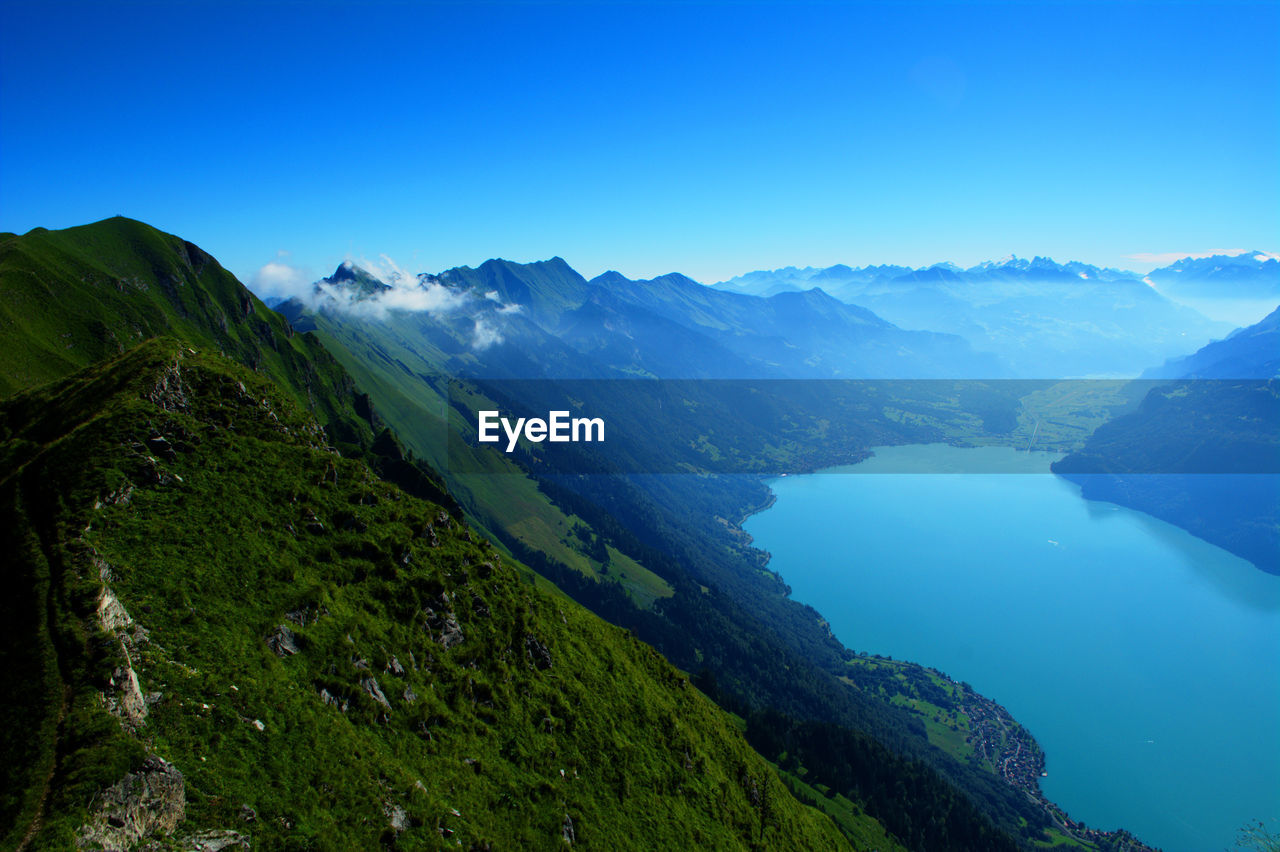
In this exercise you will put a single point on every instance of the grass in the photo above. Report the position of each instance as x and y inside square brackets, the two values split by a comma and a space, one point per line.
[539, 713]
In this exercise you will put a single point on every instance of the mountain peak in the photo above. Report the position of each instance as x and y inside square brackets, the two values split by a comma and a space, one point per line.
[346, 271]
[609, 278]
[363, 283]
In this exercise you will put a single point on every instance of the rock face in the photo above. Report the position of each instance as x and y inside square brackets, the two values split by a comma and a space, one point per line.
[111, 613]
[375, 692]
[123, 695]
[441, 622]
[125, 699]
[397, 817]
[283, 642]
[147, 803]
[566, 830]
[537, 652]
[219, 840]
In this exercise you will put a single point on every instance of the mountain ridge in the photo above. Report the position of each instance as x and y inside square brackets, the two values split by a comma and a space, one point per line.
[384, 657]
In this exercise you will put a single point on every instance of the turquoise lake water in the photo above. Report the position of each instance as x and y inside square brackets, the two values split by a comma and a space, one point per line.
[1145, 661]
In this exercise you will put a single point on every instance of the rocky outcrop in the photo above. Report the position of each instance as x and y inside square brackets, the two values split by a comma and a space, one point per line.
[397, 817]
[124, 698]
[566, 830]
[537, 652]
[332, 700]
[442, 623]
[111, 613]
[169, 392]
[283, 642]
[218, 840]
[123, 694]
[147, 803]
[370, 685]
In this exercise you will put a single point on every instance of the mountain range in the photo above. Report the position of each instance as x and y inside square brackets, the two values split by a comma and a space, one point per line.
[668, 327]
[833, 278]
[265, 588]
[1247, 275]
[1043, 319]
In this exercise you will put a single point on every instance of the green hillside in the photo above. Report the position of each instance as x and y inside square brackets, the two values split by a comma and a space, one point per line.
[73, 297]
[321, 660]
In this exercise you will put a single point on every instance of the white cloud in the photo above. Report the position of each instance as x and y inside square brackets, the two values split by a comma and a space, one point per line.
[385, 270]
[1264, 256]
[428, 298]
[1167, 257]
[485, 335]
[278, 279]
[405, 293]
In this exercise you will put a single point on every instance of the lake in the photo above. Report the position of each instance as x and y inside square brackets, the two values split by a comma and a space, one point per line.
[1145, 661]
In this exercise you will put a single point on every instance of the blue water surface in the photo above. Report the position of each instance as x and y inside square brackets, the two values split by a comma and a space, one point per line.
[1145, 661]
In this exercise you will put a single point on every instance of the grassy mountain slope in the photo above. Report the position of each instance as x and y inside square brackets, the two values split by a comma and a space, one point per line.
[73, 297]
[404, 375]
[76, 296]
[321, 660]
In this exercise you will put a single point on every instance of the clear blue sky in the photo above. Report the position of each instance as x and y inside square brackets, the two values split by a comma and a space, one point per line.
[648, 137]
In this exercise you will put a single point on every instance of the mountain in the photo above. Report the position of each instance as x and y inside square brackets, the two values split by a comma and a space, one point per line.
[804, 334]
[243, 609]
[219, 631]
[1247, 353]
[75, 297]
[1042, 318]
[354, 280]
[613, 332]
[209, 610]
[144, 702]
[545, 289]
[1249, 275]
[539, 319]
[1202, 452]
